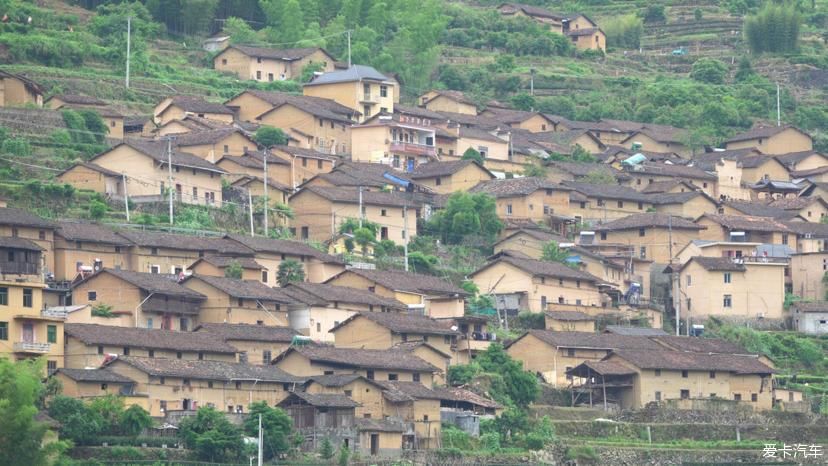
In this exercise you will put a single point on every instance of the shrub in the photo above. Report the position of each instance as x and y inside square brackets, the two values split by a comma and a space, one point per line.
[709, 70]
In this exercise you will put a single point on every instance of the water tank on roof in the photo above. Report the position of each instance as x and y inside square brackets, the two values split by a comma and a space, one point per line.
[635, 159]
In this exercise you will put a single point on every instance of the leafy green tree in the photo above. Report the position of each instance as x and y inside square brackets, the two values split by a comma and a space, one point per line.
[472, 154]
[654, 14]
[16, 146]
[709, 70]
[775, 28]
[276, 428]
[78, 423]
[326, 450]
[108, 24]
[344, 456]
[351, 225]
[552, 252]
[239, 31]
[579, 154]
[134, 420]
[534, 169]
[292, 26]
[234, 270]
[697, 14]
[364, 237]
[523, 101]
[624, 31]
[290, 271]
[465, 216]
[109, 409]
[211, 436]
[21, 436]
[97, 209]
[599, 177]
[269, 136]
[422, 263]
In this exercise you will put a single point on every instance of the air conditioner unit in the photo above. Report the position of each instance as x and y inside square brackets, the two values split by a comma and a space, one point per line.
[760, 315]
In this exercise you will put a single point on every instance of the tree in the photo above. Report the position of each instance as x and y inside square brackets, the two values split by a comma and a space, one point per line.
[624, 31]
[466, 216]
[292, 22]
[709, 70]
[211, 436]
[422, 263]
[534, 169]
[523, 101]
[234, 270]
[775, 28]
[109, 409]
[553, 253]
[745, 70]
[78, 423]
[97, 209]
[326, 450]
[472, 154]
[290, 271]
[511, 385]
[276, 428]
[239, 31]
[344, 455]
[364, 237]
[351, 225]
[134, 420]
[269, 136]
[21, 436]
[654, 14]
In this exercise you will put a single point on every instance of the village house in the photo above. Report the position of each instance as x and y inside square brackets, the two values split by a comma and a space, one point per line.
[221, 266]
[326, 306]
[447, 101]
[803, 160]
[18, 91]
[27, 329]
[810, 236]
[399, 143]
[659, 138]
[328, 416]
[772, 140]
[582, 31]
[529, 198]
[365, 392]
[256, 344]
[438, 358]
[647, 173]
[589, 202]
[136, 299]
[423, 294]
[236, 301]
[359, 87]
[144, 166]
[567, 141]
[304, 163]
[551, 354]
[320, 210]
[277, 194]
[759, 208]
[170, 253]
[559, 171]
[738, 168]
[418, 407]
[92, 177]
[112, 118]
[379, 365]
[652, 236]
[689, 205]
[18, 223]
[528, 241]
[745, 288]
[371, 176]
[632, 378]
[743, 228]
[188, 124]
[179, 107]
[251, 164]
[532, 122]
[672, 186]
[81, 247]
[92, 383]
[449, 177]
[814, 175]
[569, 321]
[810, 317]
[811, 209]
[270, 253]
[708, 248]
[212, 145]
[91, 345]
[807, 272]
[180, 385]
[519, 283]
[267, 64]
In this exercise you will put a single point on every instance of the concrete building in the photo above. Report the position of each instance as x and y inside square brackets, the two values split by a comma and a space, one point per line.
[652, 236]
[267, 64]
[18, 91]
[772, 140]
[256, 344]
[810, 317]
[359, 87]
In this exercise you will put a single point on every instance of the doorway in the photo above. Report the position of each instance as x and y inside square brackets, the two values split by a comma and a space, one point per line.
[374, 444]
[28, 332]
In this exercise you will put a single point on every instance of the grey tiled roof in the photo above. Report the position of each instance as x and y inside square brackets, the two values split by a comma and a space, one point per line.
[209, 370]
[648, 220]
[276, 54]
[94, 375]
[539, 268]
[407, 281]
[14, 242]
[354, 73]
[198, 105]
[89, 232]
[363, 358]
[759, 132]
[402, 323]
[320, 293]
[151, 282]
[677, 360]
[157, 150]
[137, 337]
[248, 332]
[607, 341]
[150, 239]
[261, 244]
[19, 217]
[511, 187]
[245, 289]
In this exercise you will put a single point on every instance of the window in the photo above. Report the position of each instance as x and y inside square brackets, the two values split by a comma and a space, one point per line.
[712, 374]
[620, 204]
[305, 233]
[642, 232]
[238, 385]
[640, 206]
[566, 371]
[685, 394]
[4, 296]
[51, 367]
[349, 392]
[784, 239]
[383, 91]
[737, 397]
[727, 277]
[209, 384]
[684, 374]
[543, 302]
[51, 333]
[154, 251]
[201, 356]
[266, 357]
[28, 297]
[319, 162]
[100, 349]
[259, 73]
[727, 301]
[41, 234]
[369, 375]
[658, 372]
[155, 269]
[185, 382]
[151, 353]
[754, 397]
[178, 355]
[583, 205]
[570, 352]
[508, 209]
[126, 351]
[384, 213]
[438, 181]
[643, 252]
[4, 330]
[183, 324]
[425, 417]
[578, 283]
[603, 236]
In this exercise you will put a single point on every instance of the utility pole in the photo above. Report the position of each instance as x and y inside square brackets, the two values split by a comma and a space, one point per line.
[405, 232]
[532, 81]
[778, 109]
[250, 211]
[260, 440]
[129, 33]
[349, 48]
[169, 170]
[674, 284]
[126, 195]
[265, 192]
[360, 207]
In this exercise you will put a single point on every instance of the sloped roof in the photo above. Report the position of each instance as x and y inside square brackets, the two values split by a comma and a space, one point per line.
[245, 289]
[531, 10]
[700, 345]
[569, 316]
[364, 358]
[761, 132]
[792, 158]
[93, 167]
[137, 337]
[78, 99]
[453, 95]
[634, 331]
[151, 282]
[324, 400]
[209, 370]
[281, 246]
[14, 242]
[210, 136]
[336, 380]
[537, 267]
[677, 198]
[304, 152]
[677, 360]
[94, 375]
[607, 191]
[157, 150]
[809, 172]
[277, 54]
[19, 217]
[361, 174]
[717, 264]
[760, 209]
[667, 169]
[402, 323]
[603, 368]
[351, 195]
[317, 106]
[660, 187]
[354, 73]
[578, 169]
[606, 341]
[744, 222]
[186, 242]
[226, 261]
[323, 294]
[379, 425]
[407, 281]
[813, 229]
[432, 169]
[197, 105]
[540, 235]
[398, 391]
[648, 220]
[817, 306]
[794, 203]
[248, 332]
[89, 232]
[477, 133]
[511, 187]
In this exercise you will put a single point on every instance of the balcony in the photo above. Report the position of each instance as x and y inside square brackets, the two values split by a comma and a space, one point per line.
[369, 99]
[158, 304]
[30, 347]
[19, 268]
[760, 260]
[413, 148]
